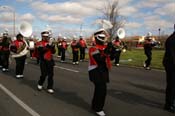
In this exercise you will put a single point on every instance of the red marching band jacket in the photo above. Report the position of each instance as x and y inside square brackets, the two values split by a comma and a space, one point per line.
[16, 44]
[64, 45]
[95, 50]
[48, 51]
[116, 43]
[82, 43]
[74, 46]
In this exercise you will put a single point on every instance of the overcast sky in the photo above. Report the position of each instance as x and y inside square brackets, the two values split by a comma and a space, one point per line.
[69, 17]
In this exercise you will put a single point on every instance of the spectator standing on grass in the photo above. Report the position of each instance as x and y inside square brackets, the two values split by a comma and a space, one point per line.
[169, 64]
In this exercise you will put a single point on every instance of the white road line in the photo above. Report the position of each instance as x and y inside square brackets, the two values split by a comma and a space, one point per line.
[17, 100]
[67, 69]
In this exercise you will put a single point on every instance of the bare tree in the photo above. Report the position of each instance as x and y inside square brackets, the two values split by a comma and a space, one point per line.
[111, 13]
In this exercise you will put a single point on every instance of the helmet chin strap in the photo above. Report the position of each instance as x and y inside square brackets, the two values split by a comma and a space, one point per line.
[99, 41]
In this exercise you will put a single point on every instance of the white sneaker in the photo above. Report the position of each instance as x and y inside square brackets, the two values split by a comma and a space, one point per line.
[18, 76]
[101, 113]
[21, 76]
[148, 68]
[73, 63]
[144, 65]
[3, 69]
[117, 64]
[40, 87]
[77, 62]
[50, 91]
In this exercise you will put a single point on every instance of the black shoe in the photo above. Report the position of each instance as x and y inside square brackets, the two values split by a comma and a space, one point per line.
[169, 108]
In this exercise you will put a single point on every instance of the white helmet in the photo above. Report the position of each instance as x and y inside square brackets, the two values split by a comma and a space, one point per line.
[101, 35]
[149, 34]
[64, 38]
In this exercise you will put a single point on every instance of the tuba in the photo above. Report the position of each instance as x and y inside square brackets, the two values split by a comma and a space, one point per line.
[121, 33]
[25, 29]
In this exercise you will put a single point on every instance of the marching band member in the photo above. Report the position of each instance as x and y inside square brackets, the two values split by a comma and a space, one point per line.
[99, 65]
[31, 47]
[64, 46]
[16, 47]
[83, 47]
[75, 48]
[59, 40]
[5, 51]
[35, 52]
[1, 51]
[46, 49]
[148, 44]
[118, 46]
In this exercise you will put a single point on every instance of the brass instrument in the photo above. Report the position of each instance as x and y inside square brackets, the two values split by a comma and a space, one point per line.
[121, 35]
[26, 30]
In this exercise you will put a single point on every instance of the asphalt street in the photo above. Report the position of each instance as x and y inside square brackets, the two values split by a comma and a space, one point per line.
[131, 92]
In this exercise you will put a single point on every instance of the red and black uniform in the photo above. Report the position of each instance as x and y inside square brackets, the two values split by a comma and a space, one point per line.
[83, 46]
[35, 52]
[117, 49]
[59, 47]
[46, 62]
[99, 65]
[5, 53]
[15, 47]
[64, 46]
[75, 49]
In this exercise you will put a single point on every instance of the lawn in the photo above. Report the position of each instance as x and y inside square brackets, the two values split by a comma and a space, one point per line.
[136, 57]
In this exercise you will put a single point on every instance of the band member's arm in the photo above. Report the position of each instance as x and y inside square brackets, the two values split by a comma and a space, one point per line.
[13, 48]
[110, 50]
[48, 47]
[100, 59]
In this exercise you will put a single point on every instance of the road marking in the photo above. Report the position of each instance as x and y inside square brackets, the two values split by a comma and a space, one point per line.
[67, 69]
[17, 100]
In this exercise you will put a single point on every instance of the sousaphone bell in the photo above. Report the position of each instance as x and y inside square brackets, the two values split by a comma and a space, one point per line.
[25, 29]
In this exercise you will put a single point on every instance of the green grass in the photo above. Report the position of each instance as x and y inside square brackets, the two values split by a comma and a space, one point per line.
[138, 57]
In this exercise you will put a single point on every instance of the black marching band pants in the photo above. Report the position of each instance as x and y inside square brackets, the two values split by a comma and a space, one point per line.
[20, 63]
[63, 52]
[0, 58]
[59, 51]
[47, 68]
[5, 59]
[170, 88]
[75, 56]
[117, 57]
[99, 97]
[148, 60]
[82, 53]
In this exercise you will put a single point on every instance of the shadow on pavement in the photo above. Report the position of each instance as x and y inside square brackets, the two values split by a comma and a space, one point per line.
[134, 99]
[73, 99]
[146, 87]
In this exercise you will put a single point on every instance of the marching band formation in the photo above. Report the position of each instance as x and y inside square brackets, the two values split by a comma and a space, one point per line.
[100, 53]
